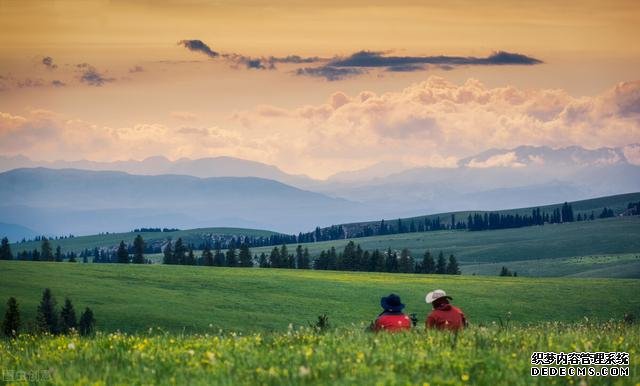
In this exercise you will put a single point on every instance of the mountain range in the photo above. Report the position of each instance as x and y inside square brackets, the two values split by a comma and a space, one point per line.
[224, 191]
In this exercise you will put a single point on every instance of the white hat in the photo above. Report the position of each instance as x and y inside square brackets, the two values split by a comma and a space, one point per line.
[435, 295]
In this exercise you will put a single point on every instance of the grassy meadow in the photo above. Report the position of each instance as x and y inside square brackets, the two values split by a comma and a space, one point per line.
[133, 298]
[346, 356]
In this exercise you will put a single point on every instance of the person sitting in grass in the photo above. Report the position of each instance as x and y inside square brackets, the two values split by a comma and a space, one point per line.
[392, 318]
[444, 316]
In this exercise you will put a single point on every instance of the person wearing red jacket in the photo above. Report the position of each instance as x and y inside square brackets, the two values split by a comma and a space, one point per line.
[392, 318]
[444, 316]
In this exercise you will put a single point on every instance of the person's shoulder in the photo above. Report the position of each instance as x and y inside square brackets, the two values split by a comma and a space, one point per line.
[457, 309]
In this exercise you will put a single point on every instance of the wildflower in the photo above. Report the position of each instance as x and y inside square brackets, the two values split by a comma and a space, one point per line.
[464, 377]
[71, 346]
[303, 371]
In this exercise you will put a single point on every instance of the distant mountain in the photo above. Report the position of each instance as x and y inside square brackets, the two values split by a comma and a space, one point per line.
[202, 167]
[83, 202]
[16, 232]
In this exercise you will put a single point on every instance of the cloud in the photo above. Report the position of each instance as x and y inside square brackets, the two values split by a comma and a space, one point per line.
[183, 116]
[47, 61]
[434, 122]
[329, 73]
[198, 46]
[91, 76]
[366, 59]
[507, 160]
[58, 83]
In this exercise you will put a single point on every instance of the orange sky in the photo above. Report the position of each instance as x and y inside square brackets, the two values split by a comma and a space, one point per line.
[153, 87]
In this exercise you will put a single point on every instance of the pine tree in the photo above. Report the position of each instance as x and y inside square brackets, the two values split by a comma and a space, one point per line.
[138, 250]
[47, 316]
[122, 254]
[5, 250]
[274, 258]
[58, 254]
[11, 324]
[168, 254]
[504, 271]
[306, 259]
[441, 265]
[46, 251]
[207, 256]
[452, 267]
[67, 317]
[179, 252]
[299, 256]
[405, 264]
[72, 257]
[263, 262]
[231, 256]
[245, 256]
[284, 257]
[428, 264]
[190, 259]
[218, 257]
[87, 322]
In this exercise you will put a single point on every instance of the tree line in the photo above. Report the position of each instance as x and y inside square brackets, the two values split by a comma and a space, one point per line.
[48, 319]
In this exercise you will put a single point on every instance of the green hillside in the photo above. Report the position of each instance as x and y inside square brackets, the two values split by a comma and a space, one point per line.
[177, 298]
[195, 236]
[606, 236]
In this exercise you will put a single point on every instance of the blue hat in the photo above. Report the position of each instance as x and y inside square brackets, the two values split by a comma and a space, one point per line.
[391, 303]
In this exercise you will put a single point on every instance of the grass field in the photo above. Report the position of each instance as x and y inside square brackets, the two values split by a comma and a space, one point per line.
[477, 356]
[618, 235]
[197, 299]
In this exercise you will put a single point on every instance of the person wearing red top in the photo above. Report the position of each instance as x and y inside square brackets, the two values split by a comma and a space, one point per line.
[391, 318]
[444, 316]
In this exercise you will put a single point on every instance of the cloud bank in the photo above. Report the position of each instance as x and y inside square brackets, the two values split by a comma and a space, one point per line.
[359, 63]
[434, 123]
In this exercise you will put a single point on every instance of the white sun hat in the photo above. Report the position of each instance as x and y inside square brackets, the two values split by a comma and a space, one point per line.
[435, 295]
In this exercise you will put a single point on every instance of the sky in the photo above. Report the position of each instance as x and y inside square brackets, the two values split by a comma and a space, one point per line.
[315, 87]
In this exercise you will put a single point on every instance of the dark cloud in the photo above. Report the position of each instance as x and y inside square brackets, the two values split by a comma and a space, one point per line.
[199, 46]
[58, 83]
[28, 83]
[91, 76]
[135, 69]
[330, 73]
[413, 63]
[407, 68]
[47, 61]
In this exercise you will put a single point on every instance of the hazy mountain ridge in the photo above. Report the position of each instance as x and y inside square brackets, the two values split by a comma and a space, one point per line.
[79, 201]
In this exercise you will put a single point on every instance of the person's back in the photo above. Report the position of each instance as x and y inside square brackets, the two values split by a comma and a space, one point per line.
[392, 318]
[444, 316]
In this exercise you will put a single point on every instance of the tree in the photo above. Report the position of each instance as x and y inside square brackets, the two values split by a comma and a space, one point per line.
[68, 317]
[122, 253]
[405, 264]
[11, 324]
[72, 257]
[263, 262]
[245, 256]
[274, 258]
[504, 271]
[179, 252]
[138, 250]
[306, 259]
[5, 250]
[428, 264]
[207, 256]
[452, 267]
[441, 265]
[391, 261]
[47, 317]
[58, 254]
[218, 257]
[284, 257]
[168, 254]
[232, 258]
[87, 322]
[46, 251]
[190, 259]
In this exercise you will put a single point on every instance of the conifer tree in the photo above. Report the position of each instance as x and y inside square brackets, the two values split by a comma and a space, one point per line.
[168, 254]
[245, 256]
[306, 259]
[87, 322]
[441, 265]
[5, 250]
[138, 250]
[46, 251]
[452, 266]
[207, 256]
[232, 260]
[122, 253]
[274, 258]
[179, 252]
[11, 323]
[47, 316]
[428, 264]
[67, 317]
[58, 254]
[190, 259]
[405, 263]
